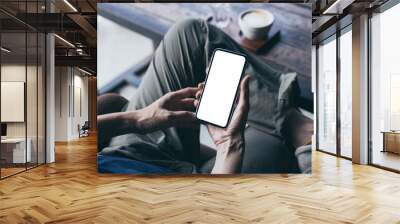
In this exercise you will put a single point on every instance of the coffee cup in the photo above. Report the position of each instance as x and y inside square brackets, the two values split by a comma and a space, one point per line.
[255, 23]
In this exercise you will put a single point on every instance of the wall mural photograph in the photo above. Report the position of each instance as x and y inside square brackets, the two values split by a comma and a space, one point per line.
[227, 90]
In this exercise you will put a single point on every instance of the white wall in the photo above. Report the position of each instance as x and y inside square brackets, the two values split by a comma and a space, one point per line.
[61, 103]
[80, 83]
[69, 82]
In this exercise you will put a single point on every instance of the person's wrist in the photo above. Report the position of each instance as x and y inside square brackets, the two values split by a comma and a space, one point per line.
[229, 155]
[232, 141]
[134, 121]
[143, 120]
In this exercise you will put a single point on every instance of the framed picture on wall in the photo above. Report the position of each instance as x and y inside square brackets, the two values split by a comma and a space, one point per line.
[12, 101]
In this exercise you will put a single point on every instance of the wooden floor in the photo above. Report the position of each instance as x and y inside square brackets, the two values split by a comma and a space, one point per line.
[5, 172]
[10, 171]
[70, 191]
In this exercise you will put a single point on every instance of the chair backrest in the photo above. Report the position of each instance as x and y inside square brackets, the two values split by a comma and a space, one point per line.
[86, 125]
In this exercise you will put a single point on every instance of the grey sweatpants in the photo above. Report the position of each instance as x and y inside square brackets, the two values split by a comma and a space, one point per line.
[180, 61]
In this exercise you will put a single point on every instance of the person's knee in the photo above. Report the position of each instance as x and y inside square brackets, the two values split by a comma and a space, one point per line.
[183, 45]
[188, 31]
[189, 25]
[110, 103]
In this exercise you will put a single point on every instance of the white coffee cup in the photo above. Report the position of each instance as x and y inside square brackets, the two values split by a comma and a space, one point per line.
[255, 23]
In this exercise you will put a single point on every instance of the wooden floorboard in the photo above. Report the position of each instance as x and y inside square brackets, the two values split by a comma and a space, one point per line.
[71, 191]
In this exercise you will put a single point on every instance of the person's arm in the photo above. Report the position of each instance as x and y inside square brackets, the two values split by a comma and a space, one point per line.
[120, 123]
[173, 109]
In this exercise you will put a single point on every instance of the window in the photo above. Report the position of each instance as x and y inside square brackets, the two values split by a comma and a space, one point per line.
[346, 94]
[327, 96]
[329, 111]
[385, 89]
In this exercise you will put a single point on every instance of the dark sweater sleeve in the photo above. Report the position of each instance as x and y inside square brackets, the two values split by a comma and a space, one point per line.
[303, 154]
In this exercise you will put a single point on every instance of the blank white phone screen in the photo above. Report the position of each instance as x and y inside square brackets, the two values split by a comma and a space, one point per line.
[220, 89]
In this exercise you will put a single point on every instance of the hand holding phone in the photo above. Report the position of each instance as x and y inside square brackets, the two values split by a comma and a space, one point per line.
[230, 141]
[216, 103]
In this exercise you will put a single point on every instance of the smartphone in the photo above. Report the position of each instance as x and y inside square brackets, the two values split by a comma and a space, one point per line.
[221, 87]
